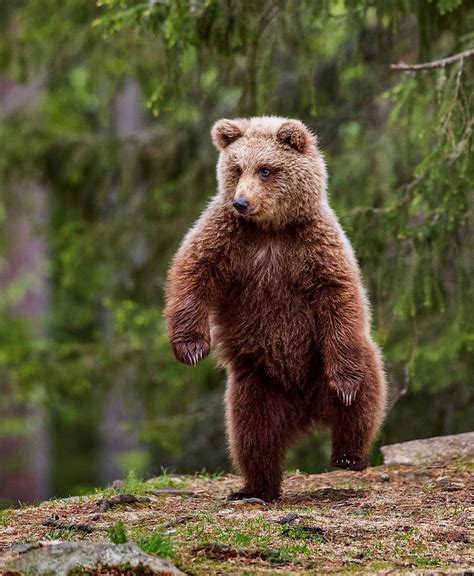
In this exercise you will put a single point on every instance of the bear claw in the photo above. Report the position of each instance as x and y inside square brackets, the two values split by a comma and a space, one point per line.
[191, 353]
[346, 397]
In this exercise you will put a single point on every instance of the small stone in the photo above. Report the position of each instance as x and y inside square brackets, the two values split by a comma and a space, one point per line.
[288, 519]
[247, 502]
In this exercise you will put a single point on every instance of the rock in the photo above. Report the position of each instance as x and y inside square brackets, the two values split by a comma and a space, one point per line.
[60, 558]
[288, 519]
[430, 450]
[107, 503]
[247, 503]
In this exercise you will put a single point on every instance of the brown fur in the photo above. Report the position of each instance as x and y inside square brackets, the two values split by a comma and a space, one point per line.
[278, 293]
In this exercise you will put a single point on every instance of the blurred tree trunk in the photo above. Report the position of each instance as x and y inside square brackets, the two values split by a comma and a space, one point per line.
[120, 446]
[25, 439]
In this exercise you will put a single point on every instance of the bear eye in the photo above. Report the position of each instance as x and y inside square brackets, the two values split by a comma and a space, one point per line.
[238, 171]
[264, 172]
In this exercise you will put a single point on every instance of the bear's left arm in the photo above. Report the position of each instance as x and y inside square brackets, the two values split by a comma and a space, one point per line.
[343, 323]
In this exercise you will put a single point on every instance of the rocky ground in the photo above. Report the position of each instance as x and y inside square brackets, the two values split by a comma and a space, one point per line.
[414, 517]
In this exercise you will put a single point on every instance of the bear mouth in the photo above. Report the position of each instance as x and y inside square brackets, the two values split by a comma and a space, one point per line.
[248, 214]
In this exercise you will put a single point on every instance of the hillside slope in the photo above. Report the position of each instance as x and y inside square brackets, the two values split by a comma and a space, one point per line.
[404, 518]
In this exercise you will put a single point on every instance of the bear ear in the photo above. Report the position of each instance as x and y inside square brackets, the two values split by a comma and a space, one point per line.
[295, 134]
[224, 132]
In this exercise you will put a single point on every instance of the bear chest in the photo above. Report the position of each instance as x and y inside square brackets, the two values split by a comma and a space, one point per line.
[270, 269]
[268, 282]
[266, 312]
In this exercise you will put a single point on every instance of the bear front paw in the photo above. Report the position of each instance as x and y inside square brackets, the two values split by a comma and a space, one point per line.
[192, 351]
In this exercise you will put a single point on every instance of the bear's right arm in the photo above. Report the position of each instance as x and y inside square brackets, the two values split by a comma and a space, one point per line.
[191, 286]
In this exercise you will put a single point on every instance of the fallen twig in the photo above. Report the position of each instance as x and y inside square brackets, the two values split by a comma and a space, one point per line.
[171, 491]
[53, 521]
[106, 503]
[288, 519]
[178, 521]
[222, 551]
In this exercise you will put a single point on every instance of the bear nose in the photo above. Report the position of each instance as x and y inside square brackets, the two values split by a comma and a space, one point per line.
[240, 204]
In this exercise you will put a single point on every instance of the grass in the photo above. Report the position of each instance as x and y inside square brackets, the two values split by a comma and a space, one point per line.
[137, 486]
[118, 533]
[5, 516]
[159, 544]
[464, 464]
[166, 481]
[62, 534]
[209, 475]
[301, 533]
[354, 484]
[155, 542]
[424, 561]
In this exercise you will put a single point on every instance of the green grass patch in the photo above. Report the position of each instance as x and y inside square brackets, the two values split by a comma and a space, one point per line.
[62, 534]
[166, 481]
[353, 484]
[5, 516]
[464, 465]
[206, 475]
[424, 561]
[159, 544]
[118, 533]
[137, 486]
[379, 565]
[302, 533]
[153, 543]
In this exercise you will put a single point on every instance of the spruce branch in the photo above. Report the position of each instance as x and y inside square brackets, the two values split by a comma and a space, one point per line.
[435, 63]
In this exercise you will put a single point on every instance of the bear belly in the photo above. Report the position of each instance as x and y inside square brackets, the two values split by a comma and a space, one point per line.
[269, 325]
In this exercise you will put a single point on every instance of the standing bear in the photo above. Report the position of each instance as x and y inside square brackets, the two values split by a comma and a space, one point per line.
[268, 278]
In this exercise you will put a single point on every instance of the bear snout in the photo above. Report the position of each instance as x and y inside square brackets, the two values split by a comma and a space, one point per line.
[241, 204]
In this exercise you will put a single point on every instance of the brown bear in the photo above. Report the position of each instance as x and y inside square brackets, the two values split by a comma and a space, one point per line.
[268, 278]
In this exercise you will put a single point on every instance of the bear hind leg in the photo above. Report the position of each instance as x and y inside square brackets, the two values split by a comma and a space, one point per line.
[261, 421]
[355, 427]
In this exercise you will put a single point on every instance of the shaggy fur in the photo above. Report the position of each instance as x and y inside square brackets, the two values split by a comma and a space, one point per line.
[277, 291]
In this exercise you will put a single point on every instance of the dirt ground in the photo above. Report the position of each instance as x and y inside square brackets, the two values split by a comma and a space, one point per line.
[388, 519]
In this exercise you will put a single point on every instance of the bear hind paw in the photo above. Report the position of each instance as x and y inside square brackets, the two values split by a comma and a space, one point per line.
[244, 494]
[349, 462]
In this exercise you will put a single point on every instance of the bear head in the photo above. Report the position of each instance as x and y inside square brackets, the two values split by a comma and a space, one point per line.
[270, 170]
